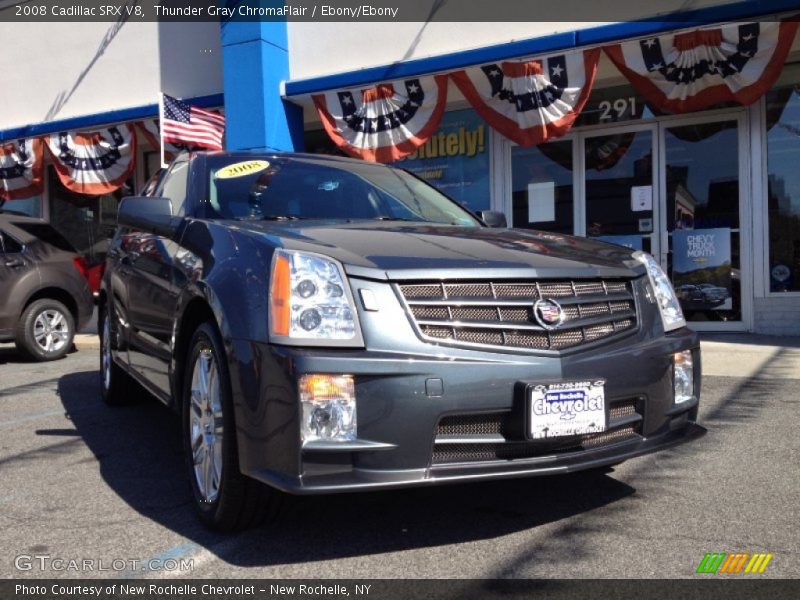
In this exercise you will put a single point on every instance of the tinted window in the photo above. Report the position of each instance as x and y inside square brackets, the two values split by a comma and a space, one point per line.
[174, 186]
[307, 188]
[47, 234]
[9, 245]
[151, 184]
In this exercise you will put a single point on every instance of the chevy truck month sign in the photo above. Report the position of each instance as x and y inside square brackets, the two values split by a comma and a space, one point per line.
[701, 268]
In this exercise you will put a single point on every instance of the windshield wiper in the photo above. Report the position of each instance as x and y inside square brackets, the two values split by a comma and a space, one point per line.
[278, 218]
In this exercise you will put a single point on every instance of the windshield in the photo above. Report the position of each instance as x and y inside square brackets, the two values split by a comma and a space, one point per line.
[282, 188]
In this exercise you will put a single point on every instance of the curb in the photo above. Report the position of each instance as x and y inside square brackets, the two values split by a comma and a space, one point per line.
[84, 341]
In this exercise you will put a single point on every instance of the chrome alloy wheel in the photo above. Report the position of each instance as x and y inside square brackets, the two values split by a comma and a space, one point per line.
[50, 330]
[105, 353]
[205, 425]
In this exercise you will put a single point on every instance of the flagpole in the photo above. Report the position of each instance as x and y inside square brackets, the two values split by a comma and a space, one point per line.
[161, 127]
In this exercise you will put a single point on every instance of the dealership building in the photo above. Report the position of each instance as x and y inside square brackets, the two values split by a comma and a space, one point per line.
[703, 175]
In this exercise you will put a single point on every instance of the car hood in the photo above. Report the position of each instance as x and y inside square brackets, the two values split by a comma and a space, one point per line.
[383, 250]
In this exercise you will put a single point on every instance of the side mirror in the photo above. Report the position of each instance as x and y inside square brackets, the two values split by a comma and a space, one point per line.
[147, 213]
[493, 218]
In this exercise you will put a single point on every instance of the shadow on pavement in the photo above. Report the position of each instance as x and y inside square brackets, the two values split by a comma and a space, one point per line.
[10, 355]
[662, 473]
[139, 452]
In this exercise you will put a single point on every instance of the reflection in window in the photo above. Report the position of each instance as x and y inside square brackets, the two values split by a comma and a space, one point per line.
[702, 171]
[619, 170]
[87, 222]
[783, 158]
[542, 187]
[454, 159]
[703, 176]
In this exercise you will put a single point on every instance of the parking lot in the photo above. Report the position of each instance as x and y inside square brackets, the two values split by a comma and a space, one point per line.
[81, 481]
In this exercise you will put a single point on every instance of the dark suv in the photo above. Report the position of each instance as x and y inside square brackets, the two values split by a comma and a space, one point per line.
[44, 295]
[328, 325]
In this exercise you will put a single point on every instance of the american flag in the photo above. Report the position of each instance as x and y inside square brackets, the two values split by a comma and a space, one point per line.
[184, 124]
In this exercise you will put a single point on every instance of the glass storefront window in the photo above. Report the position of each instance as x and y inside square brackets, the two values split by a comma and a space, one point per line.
[619, 188]
[455, 159]
[542, 192]
[87, 222]
[702, 173]
[30, 206]
[783, 187]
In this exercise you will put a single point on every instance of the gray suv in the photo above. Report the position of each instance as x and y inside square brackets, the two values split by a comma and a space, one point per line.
[330, 325]
[44, 295]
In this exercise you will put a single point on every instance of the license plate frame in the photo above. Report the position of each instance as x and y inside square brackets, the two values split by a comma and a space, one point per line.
[565, 409]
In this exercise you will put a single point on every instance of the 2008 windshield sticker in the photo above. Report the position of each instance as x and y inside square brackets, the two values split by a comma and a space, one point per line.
[241, 169]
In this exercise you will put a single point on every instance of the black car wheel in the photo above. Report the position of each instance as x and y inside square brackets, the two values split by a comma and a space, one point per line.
[45, 330]
[114, 381]
[225, 499]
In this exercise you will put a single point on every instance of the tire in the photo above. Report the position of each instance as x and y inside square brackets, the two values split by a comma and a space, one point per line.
[225, 499]
[115, 383]
[45, 330]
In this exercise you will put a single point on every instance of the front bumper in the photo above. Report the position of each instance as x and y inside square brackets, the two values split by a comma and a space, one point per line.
[402, 398]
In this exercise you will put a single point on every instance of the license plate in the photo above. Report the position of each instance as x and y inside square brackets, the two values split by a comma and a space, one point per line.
[564, 409]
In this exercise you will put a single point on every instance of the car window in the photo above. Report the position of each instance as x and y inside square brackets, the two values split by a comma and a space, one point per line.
[174, 184]
[47, 234]
[9, 245]
[309, 188]
[152, 183]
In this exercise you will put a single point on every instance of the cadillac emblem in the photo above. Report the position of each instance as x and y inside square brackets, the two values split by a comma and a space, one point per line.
[548, 313]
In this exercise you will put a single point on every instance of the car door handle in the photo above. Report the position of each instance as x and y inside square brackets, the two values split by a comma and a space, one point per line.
[14, 262]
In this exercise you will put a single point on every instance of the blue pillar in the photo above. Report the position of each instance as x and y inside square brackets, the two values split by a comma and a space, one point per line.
[255, 59]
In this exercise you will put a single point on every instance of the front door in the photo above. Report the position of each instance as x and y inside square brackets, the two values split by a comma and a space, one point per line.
[619, 188]
[701, 183]
[674, 188]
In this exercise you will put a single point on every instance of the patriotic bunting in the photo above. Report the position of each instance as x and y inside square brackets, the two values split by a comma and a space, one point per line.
[94, 163]
[20, 169]
[531, 102]
[386, 122]
[691, 71]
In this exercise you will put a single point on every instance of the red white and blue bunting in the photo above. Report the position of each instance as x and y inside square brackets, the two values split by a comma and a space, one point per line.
[531, 101]
[691, 71]
[386, 122]
[20, 169]
[96, 162]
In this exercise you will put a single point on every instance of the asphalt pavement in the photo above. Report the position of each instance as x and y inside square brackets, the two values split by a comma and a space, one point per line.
[81, 481]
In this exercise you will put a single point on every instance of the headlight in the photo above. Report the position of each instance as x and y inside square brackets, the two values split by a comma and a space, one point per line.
[683, 376]
[310, 304]
[670, 308]
[329, 408]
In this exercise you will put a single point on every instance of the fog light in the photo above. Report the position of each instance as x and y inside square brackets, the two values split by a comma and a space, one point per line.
[683, 376]
[329, 408]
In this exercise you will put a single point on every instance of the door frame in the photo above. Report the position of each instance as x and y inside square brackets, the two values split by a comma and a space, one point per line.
[740, 116]
[580, 174]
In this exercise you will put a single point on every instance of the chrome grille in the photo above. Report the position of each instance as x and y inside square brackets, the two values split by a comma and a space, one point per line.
[507, 424]
[500, 314]
[486, 424]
